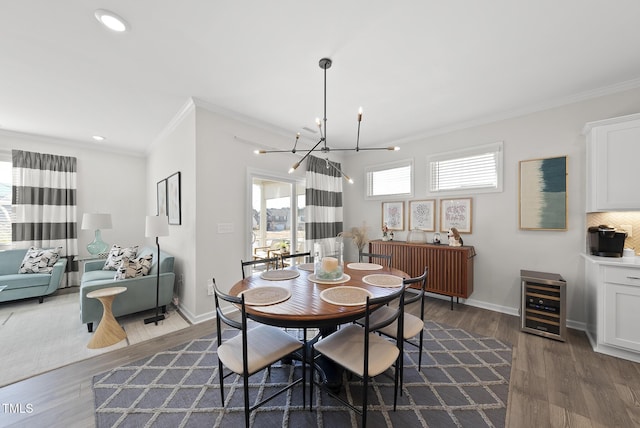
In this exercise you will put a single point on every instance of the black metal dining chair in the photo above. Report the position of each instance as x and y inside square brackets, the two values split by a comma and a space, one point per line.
[373, 258]
[364, 353]
[252, 350]
[413, 325]
[295, 258]
[264, 264]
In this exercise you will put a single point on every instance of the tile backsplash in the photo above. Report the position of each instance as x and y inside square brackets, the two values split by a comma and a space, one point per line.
[617, 219]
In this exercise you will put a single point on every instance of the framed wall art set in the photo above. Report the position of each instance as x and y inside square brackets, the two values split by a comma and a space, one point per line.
[455, 212]
[168, 198]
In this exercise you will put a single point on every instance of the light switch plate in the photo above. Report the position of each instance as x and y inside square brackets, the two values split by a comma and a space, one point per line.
[225, 227]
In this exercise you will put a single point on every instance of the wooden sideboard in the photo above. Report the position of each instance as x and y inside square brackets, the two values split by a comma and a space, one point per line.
[450, 268]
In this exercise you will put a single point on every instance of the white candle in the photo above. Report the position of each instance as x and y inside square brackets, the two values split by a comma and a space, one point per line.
[329, 264]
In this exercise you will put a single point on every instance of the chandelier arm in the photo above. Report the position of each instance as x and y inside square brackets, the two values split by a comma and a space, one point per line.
[309, 152]
[345, 176]
[326, 65]
[390, 148]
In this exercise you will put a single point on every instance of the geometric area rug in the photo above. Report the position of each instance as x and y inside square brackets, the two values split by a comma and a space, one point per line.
[464, 382]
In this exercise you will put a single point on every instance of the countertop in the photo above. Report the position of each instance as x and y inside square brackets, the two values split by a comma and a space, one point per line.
[614, 261]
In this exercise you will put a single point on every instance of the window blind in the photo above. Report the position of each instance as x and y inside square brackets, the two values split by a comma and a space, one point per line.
[475, 168]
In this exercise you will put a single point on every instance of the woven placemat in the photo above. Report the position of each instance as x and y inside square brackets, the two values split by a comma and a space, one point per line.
[279, 275]
[267, 295]
[364, 266]
[344, 295]
[382, 280]
[309, 267]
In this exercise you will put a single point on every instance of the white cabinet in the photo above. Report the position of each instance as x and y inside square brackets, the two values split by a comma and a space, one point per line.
[613, 151]
[613, 306]
[621, 312]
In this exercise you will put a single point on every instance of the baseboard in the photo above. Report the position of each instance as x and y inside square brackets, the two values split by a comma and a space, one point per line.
[492, 307]
[576, 325]
[196, 319]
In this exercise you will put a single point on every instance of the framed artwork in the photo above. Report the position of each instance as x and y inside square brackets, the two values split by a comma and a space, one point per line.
[161, 198]
[393, 215]
[543, 194]
[173, 198]
[422, 215]
[455, 213]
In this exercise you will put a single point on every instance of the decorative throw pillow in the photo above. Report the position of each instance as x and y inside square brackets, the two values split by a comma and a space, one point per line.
[116, 254]
[134, 268]
[38, 260]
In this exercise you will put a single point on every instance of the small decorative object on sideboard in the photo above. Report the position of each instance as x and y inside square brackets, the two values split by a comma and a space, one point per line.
[417, 236]
[436, 238]
[455, 240]
[385, 232]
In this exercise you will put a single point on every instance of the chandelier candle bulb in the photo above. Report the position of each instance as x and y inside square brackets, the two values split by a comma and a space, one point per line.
[360, 114]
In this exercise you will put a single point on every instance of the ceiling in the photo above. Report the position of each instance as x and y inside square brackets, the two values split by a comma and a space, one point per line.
[416, 67]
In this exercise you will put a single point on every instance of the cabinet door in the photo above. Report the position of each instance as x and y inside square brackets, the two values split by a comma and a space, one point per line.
[621, 315]
[615, 152]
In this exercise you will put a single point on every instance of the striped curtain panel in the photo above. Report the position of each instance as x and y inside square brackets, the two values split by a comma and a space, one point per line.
[323, 213]
[44, 204]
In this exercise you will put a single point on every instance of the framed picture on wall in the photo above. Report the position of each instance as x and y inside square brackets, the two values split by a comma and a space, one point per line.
[455, 213]
[543, 194]
[161, 198]
[173, 199]
[393, 215]
[422, 215]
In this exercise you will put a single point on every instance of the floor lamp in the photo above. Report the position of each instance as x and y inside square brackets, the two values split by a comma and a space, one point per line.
[156, 226]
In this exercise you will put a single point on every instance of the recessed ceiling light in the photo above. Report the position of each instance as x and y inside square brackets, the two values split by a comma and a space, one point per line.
[111, 20]
[98, 138]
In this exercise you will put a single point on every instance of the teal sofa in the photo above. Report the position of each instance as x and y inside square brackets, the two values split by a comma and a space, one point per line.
[140, 294]
[27, 285]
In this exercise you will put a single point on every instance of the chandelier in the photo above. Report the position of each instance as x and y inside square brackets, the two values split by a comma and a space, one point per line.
[321, 145]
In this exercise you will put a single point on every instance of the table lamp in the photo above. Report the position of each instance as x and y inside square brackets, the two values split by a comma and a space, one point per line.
[156, 226]
[96, 221]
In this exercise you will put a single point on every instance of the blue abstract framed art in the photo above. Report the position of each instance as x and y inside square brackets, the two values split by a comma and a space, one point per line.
[543, 194]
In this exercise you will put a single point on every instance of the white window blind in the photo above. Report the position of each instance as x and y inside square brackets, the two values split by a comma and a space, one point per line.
[474, 169]
[393, 179]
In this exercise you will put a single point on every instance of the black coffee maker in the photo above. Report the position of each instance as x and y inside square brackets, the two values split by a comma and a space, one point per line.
[605, 241]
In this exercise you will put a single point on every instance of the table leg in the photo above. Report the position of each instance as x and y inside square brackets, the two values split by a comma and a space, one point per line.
[109, 331]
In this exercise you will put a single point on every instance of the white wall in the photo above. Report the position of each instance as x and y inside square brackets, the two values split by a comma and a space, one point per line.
[201, 145]
[503, 250]
[171, 153]
[107, 182]
[222, 163]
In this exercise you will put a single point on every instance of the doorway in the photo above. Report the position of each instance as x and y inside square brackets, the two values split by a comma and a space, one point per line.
[277, 216]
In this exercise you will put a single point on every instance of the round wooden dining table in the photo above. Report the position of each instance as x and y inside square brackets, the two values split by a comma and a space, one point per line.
[305, 308]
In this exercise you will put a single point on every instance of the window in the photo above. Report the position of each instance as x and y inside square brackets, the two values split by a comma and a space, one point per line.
[476, 170]
[390, 179]
[5, 202]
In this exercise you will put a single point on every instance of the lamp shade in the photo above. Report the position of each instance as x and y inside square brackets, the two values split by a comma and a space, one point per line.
[157, 225]
[96, 221]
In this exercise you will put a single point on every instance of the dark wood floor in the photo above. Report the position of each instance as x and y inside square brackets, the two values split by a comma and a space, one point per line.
[553, 384]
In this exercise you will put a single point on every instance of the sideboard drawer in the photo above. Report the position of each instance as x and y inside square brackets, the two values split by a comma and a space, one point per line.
[622, 275]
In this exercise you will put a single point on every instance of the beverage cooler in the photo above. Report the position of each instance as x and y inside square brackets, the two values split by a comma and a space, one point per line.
[543, 310]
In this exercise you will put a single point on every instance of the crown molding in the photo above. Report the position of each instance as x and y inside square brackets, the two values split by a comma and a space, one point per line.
[523, 111]
[78, 144]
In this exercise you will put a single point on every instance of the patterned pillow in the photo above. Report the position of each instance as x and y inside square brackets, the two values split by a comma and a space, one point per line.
[134, 268]
[38, 260]
[116, 255]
